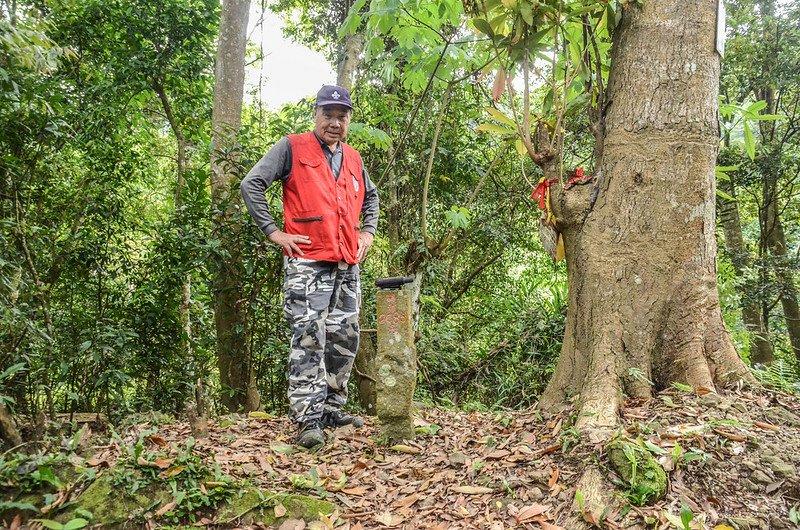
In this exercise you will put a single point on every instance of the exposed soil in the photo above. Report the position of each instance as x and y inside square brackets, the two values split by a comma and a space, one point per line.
[737, 466]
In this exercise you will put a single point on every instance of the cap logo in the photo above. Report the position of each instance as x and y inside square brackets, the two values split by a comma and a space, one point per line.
[335, 95]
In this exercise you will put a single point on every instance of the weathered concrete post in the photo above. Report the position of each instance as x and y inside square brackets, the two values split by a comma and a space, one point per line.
[396, 359]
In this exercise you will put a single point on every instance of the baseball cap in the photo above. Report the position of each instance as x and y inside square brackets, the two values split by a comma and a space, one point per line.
[333, 95]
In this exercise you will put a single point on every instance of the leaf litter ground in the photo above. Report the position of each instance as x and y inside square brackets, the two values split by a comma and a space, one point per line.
[735, 465]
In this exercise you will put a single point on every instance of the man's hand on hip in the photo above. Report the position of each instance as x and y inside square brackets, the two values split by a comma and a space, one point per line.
[364, 242]
[289, 242]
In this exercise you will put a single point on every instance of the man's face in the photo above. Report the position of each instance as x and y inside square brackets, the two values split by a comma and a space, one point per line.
[330, 123]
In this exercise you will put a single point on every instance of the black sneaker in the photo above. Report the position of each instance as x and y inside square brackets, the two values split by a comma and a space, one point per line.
[309, 434]
[336, 418]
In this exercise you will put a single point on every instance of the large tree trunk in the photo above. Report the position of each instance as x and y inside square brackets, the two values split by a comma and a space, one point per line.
[233, 359]
[760, 346]
[641, 264]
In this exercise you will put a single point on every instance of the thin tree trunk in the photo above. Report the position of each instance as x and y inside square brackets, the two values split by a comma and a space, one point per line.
[233, 356]
[773, 236]
[351, 57]
[760, 346]
[180, 184]
[776, 242]
[641, 264]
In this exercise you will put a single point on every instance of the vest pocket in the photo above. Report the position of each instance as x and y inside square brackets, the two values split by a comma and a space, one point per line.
[310, 162]
[307, 219]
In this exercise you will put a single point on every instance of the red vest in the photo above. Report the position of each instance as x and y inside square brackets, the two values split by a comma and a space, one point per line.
[317, 205]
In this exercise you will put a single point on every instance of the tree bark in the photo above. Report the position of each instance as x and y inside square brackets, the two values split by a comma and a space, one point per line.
[230, 316]
[352, 47]
[760, 346]
[641, 264]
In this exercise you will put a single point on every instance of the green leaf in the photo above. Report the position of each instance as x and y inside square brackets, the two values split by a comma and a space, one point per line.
[682, 387]
[11, 370]
[526, 10]
[49, 523]
[676, 522]
[725, 196]
[458, 217]
[722, 172]
[482, 25]
[749, 141]
[686, 516]
[653, 448]
[74, 524]
[499, 116]
[493, 127]
[770, 117]
[350, 25]
[757, 106]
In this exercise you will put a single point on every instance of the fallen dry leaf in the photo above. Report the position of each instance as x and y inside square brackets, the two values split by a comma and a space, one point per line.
[166, 508]
[171, 472]
[158, 440]
[553, 478]
[357, 491]
[405, 502]
[400, 448]
[472, 490]
[767, 426]
[527, 513]
[387, 519]
[498, 454]
[280, 510]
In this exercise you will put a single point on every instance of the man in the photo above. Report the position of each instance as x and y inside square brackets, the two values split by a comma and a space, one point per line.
[325, 190]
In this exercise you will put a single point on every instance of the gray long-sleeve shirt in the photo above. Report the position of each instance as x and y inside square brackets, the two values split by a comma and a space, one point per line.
[277, 164]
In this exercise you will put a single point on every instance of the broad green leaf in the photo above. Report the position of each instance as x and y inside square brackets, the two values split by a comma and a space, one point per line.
[725, 196]
[482, 25]
[74, 524]
[496, 114]
[749, 141]
[458, 217]
[493, 127]
[350, 24]
[11, 370]
[49, 523]
[526, 10]
[520, 147]
[757, 106]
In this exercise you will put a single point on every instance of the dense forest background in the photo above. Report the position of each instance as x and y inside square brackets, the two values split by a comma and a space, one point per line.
[111, 239]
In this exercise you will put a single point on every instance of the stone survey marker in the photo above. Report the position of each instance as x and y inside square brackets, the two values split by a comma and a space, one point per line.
[395, 359]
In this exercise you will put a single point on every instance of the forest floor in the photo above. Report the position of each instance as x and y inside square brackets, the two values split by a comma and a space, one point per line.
[732, 460]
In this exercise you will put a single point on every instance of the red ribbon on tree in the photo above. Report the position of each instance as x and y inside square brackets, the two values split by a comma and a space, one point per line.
[578, 178]
[541, 193]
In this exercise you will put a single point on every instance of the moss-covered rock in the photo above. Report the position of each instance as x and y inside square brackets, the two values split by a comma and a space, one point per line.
[646, 479]
[259, 506]
[112, 506]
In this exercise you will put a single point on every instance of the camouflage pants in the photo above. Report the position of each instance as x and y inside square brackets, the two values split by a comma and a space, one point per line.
[321, 301]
